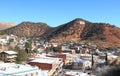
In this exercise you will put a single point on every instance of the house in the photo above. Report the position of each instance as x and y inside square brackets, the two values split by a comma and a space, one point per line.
[85, 56]
[81, 64]
[53, 66]
[12, 69]
[67, 57]
[8, 56]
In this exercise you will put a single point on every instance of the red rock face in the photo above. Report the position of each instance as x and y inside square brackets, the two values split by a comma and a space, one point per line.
[112, 34]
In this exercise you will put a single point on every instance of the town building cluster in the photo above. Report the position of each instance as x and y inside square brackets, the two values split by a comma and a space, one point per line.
[52, 59]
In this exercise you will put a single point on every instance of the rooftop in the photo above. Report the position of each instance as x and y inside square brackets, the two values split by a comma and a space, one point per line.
[47, 60]
[15, 69]
[10, 52]
[79, 60]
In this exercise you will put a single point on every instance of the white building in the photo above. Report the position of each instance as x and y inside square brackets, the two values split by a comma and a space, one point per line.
[81, 64]
[85, 56]
[12, 69]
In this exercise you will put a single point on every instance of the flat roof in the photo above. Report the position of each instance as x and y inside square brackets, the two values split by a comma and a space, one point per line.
[79, 60]
[10, 52]
[15, 69]
[47, 60]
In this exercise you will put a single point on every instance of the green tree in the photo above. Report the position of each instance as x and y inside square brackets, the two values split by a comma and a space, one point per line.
[1, 46]
[35, 50]
[51, 47]
[28, 47]
[77, 51]
[11, 40]
[21, 57]
[57, 49]
[47, 50]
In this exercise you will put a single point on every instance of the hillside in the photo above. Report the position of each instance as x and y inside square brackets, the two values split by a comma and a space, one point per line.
[5, 25]
[70, 31]
[28, 29]
[75, 30]
[80, 29]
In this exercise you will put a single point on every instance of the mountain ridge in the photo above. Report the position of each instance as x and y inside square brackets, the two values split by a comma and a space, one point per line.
[27, 29]
[75, 30]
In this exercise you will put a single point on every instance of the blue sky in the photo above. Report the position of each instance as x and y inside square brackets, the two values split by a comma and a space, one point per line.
[57, 12]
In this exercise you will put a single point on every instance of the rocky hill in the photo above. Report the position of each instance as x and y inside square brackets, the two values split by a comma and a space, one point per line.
[101, 31]
[70, 31]
[28, 29]
[101, 34]
[80, 29]
[75, 30]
